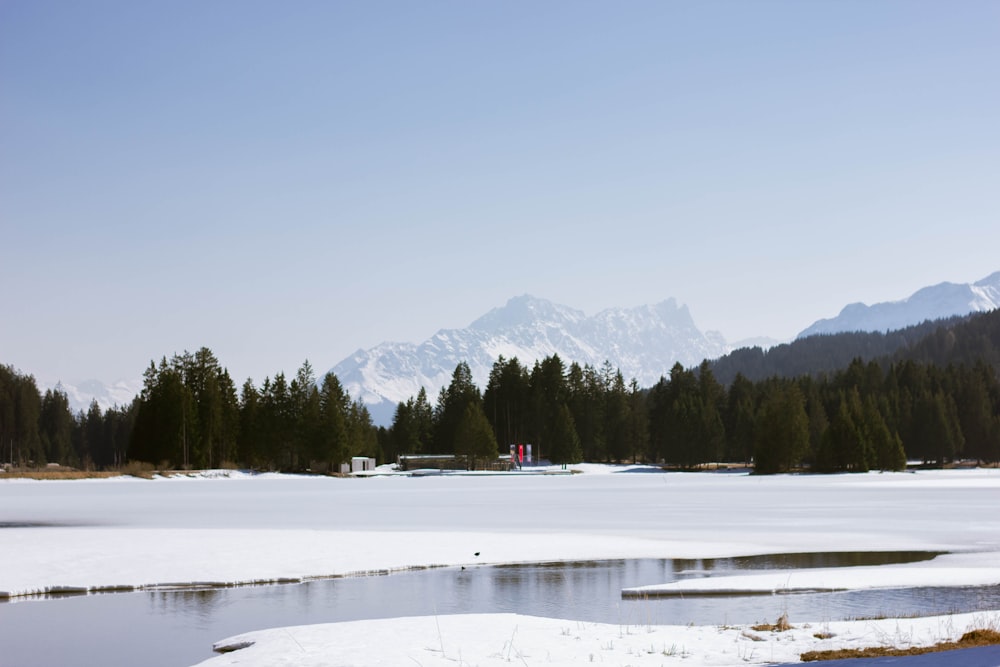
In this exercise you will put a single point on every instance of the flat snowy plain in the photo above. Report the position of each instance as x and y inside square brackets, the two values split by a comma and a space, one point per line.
[94, 534]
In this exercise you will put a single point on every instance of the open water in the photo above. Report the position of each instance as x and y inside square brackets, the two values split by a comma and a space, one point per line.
[178, 628]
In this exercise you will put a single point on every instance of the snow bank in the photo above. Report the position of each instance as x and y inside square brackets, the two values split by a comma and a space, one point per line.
[820, 580]
[504, 639]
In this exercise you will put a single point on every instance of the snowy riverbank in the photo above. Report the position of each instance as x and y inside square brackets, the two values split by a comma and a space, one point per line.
[504, 639]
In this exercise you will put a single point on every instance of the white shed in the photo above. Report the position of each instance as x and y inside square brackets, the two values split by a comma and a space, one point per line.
[362, 463]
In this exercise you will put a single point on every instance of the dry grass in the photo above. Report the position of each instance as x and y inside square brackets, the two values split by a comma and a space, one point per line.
[781, 625]
[970, 639]
[133, 468]
[138, 469]
[58, 474]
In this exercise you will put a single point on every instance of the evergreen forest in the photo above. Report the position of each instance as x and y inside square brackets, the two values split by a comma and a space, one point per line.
[189, 415]
[833, 403]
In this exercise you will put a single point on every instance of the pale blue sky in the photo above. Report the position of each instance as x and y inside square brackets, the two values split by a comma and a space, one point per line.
[290, 180]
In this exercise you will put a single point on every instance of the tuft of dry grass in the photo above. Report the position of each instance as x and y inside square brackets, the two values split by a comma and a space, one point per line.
[781, 625]
[971, 639]
[138, 469]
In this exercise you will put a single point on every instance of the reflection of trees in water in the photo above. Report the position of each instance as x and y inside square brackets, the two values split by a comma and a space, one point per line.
[556, 589]
[588, 590]
[198, 602]
[803, 560]
[303, 598]
[202, 601]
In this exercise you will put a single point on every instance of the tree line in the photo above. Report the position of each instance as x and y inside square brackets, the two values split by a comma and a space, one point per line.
[38, 428]
[190, 415]
[858, 419]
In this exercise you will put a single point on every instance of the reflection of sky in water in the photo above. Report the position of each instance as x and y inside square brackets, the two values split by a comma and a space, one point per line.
[173, 628]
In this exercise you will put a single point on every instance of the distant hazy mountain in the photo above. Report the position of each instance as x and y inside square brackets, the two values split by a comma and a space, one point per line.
[107, 396]
[644, 342]
[929, 303]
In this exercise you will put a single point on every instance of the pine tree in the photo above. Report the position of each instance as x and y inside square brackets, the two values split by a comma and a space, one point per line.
[56, 428]
[474, 437]
[684, 419]
[561, 438]
[658, 406]
[587, 405]
[334, 408]
[403, 432]
[20, 408]
[936, 432]
[712, 427]
[423, 419]
[249, 448]
[412, 430]
[506, 400]
[279, 423]
[549, 393]
[164, 424]
[782, 433]
[842, 441]
[739, 418]
[362, 436]
[886, 447]
[638, 424]
[977, 412]
[858, 451]
[229, 424]
[201, 372]
[93, 426]
[452, 402]
[304, 400]
[617, 419]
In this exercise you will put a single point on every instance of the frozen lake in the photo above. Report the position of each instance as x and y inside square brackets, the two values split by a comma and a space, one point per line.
[630, 528]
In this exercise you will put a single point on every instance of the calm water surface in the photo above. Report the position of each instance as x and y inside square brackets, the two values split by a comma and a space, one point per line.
[177, 628]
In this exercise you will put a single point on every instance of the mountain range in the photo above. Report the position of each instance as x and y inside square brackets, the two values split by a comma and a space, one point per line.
[930, 303]
[643, 342]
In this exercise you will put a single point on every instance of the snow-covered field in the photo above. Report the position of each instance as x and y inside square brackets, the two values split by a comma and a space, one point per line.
[137, 533]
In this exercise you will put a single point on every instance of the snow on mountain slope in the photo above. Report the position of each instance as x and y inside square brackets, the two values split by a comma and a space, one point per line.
[80, 395]
[929, 303]
[644, 342]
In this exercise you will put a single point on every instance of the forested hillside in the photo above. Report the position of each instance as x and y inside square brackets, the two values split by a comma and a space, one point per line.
[934, 396]
[968, 340]
[824, 353]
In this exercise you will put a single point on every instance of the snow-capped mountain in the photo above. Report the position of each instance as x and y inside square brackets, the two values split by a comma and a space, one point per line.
[80, 395]
[643, 342]
[929, 303]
